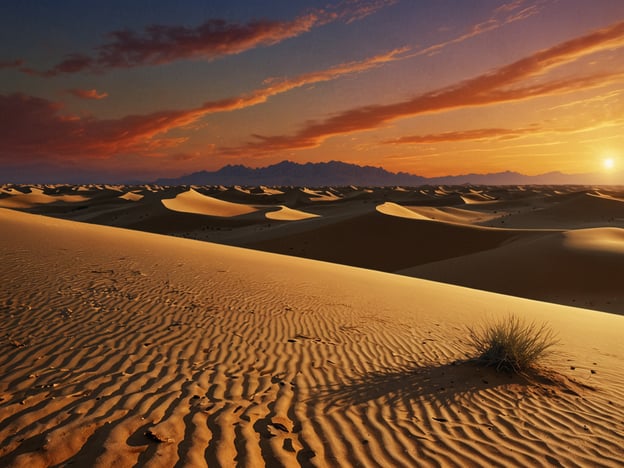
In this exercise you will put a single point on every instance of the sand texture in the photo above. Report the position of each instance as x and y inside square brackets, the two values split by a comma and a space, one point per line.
[124, 348]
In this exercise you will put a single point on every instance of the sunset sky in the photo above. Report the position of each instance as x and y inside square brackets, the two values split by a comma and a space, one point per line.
[118, 90]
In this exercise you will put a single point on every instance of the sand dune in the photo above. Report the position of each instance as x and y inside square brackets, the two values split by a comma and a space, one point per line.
[131, 196]
[581, 267]
[322, 196]
[475, 197]
[271, 190]
[152, 350]
[288, 214]
[392, 209]
[384, 229]
[378, 241]
[36, 196]
[447, 214]
[194, 202]
[573, 211]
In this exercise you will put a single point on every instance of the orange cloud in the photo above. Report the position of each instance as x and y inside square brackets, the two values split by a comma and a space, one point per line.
[160, 44]
[500, 133]
[37, 126]
[11, 64]
[87, 93]
[466, 135]
[493, 87]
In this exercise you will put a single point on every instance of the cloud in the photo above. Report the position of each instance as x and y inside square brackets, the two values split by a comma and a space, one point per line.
[181, 157]
[466, 135]
[501, 134]
[87, 94]
[498, 86]
[501, 16]
[161, 44]
[11, 64]
[31, 125]
[35, 126]
[278, 86]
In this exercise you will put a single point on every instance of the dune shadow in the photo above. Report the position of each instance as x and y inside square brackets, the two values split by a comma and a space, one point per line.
[438, 382]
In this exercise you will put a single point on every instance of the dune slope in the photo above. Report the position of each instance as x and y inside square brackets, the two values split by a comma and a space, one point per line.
[194, 202]
[122, 348]
[388, 239]
[580, 268]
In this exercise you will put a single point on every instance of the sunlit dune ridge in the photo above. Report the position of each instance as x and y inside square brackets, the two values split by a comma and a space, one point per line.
[194, 202]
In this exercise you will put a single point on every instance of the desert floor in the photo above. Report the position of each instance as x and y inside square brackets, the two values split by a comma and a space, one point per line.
[122, 346]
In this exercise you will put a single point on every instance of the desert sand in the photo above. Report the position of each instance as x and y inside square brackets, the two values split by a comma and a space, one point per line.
[519, 241]
[125, 347]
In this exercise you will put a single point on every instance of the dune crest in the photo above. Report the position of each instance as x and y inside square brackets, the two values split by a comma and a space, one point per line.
[131, 196]
[392, 209]
[288, 214]
[36, 196]
[192, 201]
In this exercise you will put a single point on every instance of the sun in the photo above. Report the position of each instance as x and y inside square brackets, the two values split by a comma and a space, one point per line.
[608, 163]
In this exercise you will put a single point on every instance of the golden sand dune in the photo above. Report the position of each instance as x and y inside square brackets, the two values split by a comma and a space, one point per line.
[194, 202]
[474, 198]
[9, 190]
[447, 214]
[271, 190]
[321, 196]
[392, 209]
[131, 196]
[288, 214]
[153, 350]
[581, 267]
[601, 194]
[37, 197]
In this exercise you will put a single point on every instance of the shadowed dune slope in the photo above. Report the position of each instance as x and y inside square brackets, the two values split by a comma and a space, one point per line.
[571, 211]
[122, 348]
[583, 268]
[387, 242]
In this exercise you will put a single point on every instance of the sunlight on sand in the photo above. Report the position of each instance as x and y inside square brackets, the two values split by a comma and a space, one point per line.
[125, 348]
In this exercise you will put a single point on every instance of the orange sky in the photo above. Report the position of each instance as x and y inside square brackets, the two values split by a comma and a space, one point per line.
[432, 89]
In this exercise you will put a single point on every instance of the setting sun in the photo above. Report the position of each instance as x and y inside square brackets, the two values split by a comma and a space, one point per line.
[608, 163]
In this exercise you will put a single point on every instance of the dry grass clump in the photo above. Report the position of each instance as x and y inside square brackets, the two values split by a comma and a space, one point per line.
[511, 344]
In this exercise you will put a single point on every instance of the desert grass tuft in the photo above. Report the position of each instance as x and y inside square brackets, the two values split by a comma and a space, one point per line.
[511, 344]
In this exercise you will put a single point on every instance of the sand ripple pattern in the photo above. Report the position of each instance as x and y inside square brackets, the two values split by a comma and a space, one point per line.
[168, 352]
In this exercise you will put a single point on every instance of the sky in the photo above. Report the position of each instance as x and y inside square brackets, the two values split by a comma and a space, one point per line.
[112, 91]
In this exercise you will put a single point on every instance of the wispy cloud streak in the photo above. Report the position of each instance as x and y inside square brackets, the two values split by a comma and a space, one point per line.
[466, 135]
[87, 94]
[60, 135]
[161, 44]
[503, 15]
[501, 134]
[505, 84]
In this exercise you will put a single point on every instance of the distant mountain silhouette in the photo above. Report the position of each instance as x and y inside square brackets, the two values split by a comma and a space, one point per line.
[337, 173]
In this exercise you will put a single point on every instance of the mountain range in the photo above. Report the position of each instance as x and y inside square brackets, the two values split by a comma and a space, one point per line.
[337, 173]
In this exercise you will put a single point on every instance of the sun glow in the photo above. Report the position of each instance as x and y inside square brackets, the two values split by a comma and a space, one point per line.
[608, 163]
